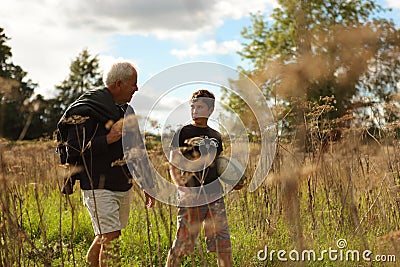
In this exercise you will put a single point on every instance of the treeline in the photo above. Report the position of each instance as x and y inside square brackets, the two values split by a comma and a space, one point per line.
[26, 115]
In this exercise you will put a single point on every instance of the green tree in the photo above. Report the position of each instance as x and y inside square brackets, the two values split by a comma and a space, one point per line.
[313, 48]
[84, 75]
[5, 54]
[15, 90]
[51, 112]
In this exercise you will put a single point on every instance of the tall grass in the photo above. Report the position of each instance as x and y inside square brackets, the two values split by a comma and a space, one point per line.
[347, 189]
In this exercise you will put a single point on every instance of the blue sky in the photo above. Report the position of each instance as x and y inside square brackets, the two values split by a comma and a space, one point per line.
[46, 35]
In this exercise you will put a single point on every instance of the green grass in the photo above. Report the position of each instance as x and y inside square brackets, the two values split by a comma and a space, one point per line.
[309, 204]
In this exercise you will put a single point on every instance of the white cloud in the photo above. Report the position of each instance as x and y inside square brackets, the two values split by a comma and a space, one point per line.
[208, 48]
[393, 3]
[148, 106]
[237, 9]
[46, 35]
[41, 43]
[173, 19]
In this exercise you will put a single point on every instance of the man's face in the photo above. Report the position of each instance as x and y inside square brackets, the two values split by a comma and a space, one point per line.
[128, 88]
[200, 111]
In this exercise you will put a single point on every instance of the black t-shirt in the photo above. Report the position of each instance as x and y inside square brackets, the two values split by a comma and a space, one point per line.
[203, 140]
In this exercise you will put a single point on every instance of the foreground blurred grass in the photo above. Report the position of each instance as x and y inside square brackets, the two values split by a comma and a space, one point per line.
[309, 202]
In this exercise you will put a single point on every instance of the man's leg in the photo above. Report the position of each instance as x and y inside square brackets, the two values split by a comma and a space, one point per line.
[93, 254]
[109, 214]
[105, 256]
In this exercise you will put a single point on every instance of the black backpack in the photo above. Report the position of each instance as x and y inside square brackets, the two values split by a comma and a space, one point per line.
[65, 159]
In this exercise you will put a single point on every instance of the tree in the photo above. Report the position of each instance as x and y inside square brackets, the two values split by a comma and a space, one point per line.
[25, 116]
[314, 48]
[14, 91]
[84, 75]
[5, 54]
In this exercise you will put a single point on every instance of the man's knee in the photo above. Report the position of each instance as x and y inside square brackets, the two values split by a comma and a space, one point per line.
[108, 237]
[112, 235]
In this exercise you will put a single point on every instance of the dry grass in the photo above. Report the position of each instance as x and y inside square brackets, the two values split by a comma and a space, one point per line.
[310, 200]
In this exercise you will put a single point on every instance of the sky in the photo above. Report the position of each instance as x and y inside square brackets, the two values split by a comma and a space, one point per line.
[155, 35]
[46, 35]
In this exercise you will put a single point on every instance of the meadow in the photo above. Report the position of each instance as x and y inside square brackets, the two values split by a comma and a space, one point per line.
[335, 200]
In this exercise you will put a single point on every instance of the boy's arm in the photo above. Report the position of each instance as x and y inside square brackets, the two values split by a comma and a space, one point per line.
[174, 171]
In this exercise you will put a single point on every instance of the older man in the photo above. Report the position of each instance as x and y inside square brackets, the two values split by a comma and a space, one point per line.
[93, 124]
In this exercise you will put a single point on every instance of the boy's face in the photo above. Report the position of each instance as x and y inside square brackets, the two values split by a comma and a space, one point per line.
[200, 111]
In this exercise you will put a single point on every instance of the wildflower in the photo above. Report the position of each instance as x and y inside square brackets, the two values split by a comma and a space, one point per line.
[75, 119]
[119, 162]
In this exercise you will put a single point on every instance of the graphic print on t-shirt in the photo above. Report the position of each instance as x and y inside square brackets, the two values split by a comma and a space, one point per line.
[196, 142]
[204, 143]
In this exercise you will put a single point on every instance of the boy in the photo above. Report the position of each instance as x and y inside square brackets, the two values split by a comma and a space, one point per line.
[199, 140]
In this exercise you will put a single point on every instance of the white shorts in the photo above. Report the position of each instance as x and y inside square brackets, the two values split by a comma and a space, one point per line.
[109, 210]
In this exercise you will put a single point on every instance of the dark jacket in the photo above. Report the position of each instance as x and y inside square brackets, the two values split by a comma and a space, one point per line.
[100, 163]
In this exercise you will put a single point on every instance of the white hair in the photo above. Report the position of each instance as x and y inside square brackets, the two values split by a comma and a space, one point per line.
[119, 71]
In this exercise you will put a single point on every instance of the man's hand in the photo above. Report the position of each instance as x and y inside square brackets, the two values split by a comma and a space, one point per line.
[150, 201]
[115, 132]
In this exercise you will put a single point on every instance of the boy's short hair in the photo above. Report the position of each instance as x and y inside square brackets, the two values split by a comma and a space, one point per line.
[204, 95]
